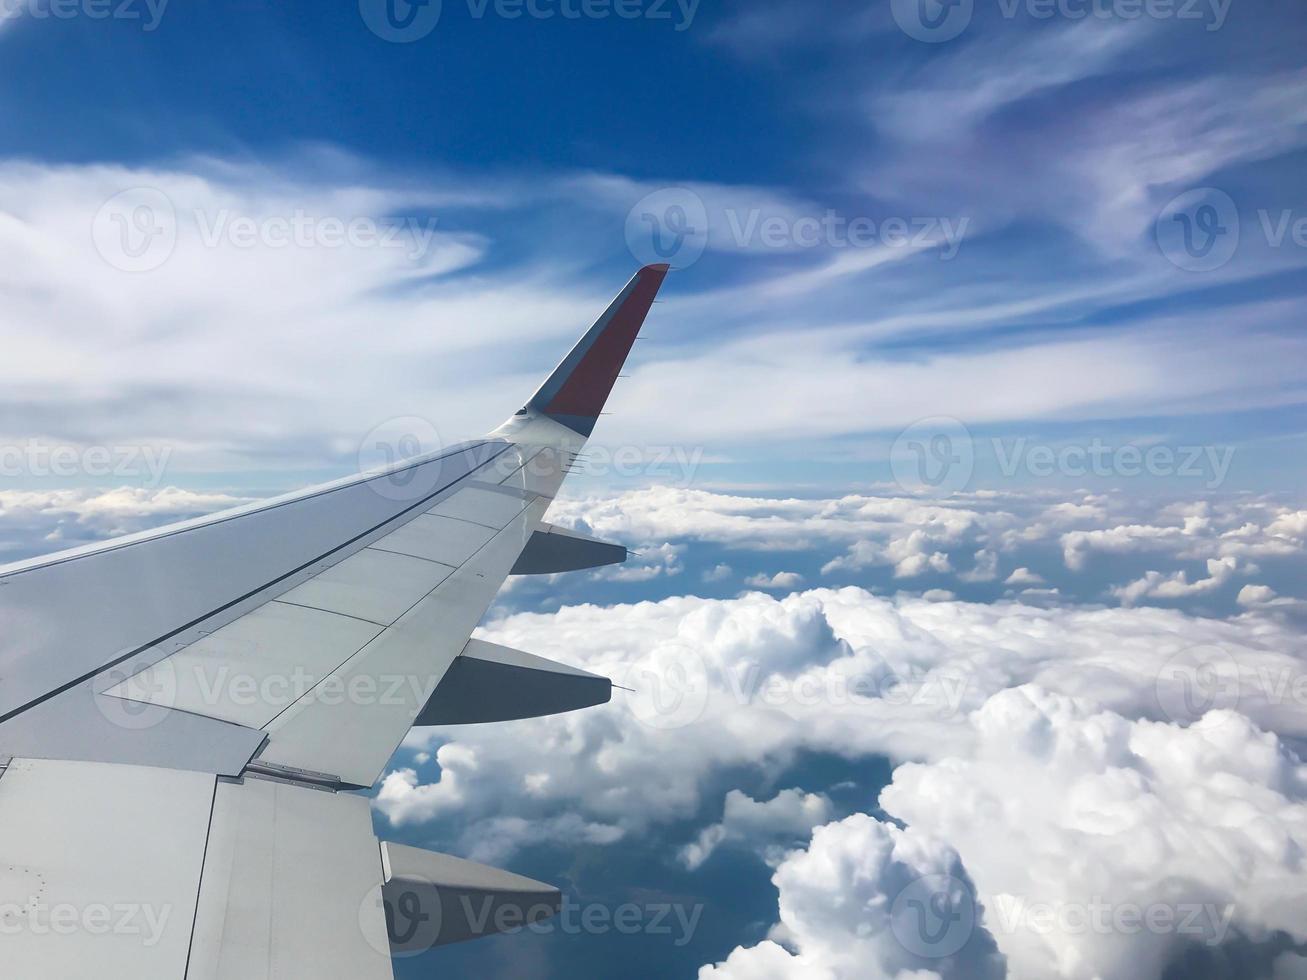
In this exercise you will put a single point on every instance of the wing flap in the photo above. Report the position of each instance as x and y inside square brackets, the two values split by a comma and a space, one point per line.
[99, 868]
[288, 882]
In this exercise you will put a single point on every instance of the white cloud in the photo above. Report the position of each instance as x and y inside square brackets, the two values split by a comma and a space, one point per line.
[938, 595]
[652, 561]
[1263, 597]
[1096, 808]
[985, 568]
[1235, 532]
[241, 385]
[781, 580]
[1256, 595]
[1099, 849]
[838, 915]
[914, 536]
[767, 826]
[753, 680]
[973, 81]
[1177, 586]
[1024, 576]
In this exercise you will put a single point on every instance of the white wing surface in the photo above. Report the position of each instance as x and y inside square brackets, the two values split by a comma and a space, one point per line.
[184, 713]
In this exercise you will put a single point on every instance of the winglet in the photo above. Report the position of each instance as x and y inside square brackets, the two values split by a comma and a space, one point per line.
[577, 390]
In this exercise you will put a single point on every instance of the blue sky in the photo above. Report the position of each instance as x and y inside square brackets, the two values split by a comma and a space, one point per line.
[967, 228]
[983, 357]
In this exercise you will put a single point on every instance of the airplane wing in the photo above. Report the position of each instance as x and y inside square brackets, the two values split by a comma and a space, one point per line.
[184, 712]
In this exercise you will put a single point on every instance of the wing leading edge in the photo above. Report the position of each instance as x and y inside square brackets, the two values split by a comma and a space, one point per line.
[254, 666]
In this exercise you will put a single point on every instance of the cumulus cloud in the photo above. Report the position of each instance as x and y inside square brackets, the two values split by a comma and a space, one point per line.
[985, 568]
[1266, 598]
[967, 535]
[839, 917]
[651, 561]
[1201, 827]
[1257, 530]
[909, 532]
[1024, 576]
[755, 680]
[767, 825]
[1177, 586]
[781, 580]
[1085, 845]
